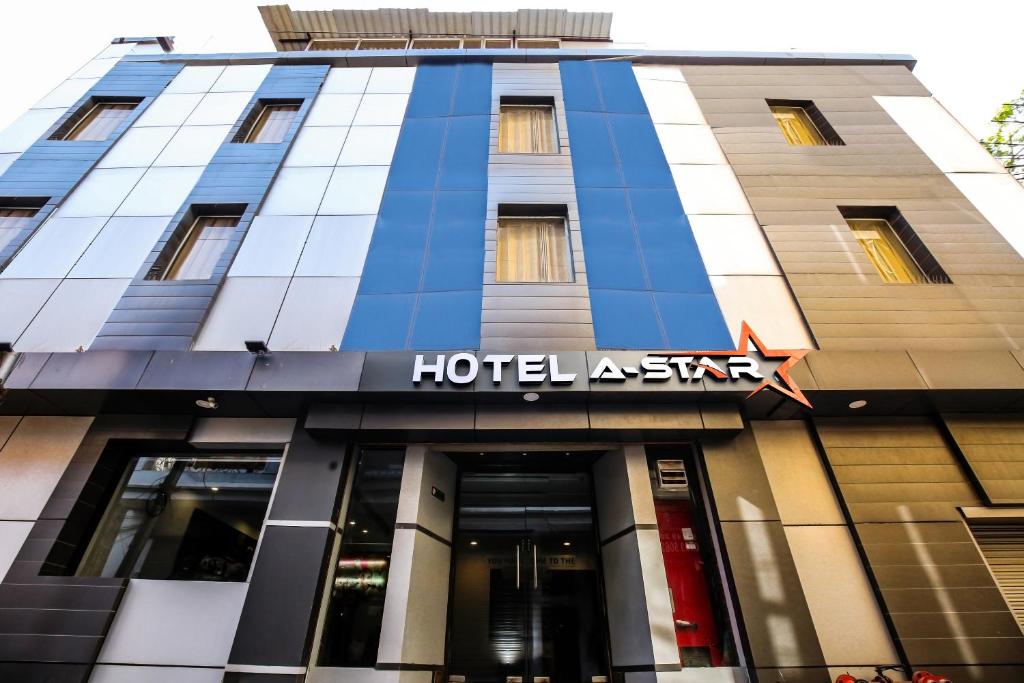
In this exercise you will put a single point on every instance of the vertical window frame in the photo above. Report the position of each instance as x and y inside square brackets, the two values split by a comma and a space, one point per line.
[512, 102]
[913, 246]
[563, 220]
[819, 125]
[86, 117]
[187, 244]
[263, 112]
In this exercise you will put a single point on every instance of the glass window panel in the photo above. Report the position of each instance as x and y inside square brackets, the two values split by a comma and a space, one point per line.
[796, 126]
[101, 121]
[526, 129]
[886, 251]
[356, 609]
[205, 243]
[273, 123]
[185, 518]
[532, 250]
[11, 223]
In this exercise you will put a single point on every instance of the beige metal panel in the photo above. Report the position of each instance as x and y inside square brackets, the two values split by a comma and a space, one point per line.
[993, 446]
[33, 461]
[802, 491]
[738, 480]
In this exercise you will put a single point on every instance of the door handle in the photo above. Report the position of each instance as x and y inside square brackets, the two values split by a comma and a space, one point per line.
[517, 566]
[535, 566]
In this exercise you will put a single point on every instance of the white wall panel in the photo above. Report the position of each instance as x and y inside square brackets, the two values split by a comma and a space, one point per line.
[671, 102]
[193, 79]
[120, 248]
[369, 146]
[296, 191]
[245, 308]
[195, 625]
[317, 146]
[114, 673]
[102, 191]
[66, 94]
[241, 78]
[160, 192]
[653, 72]
[709, 189]
[999, 198]
[138, 147]
[314, 314]
[354, 190]
[95, 68]
[169, 110]
[689, 144]
[219, 108]
[6, 160]
[381, 110]
[333, 110]
[12, 537]
[271, 246]
[193, 146]
[72, 316]
[54, 248]
[336, 246]
[115, 50]
[22, 301]
[764, 302]
[392, 79]
[348, 81]
[733, 245]
[27, 128]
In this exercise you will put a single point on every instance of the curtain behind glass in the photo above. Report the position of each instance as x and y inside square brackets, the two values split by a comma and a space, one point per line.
[102, 121]
[797, 127]
[272, 126]
[886, 251]
[203, 247]
[11, 223]
[526, 130]
[532, 250]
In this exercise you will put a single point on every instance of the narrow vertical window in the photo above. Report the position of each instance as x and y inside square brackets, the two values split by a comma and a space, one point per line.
[802, 124]
[100, 122]
[885, 251]
[12, 221]
[272, 124]
[205, 243]
[532, 249]
[527, 129]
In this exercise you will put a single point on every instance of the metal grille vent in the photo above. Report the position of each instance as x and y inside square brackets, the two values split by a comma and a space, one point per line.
[1003, 548]
[672, 475]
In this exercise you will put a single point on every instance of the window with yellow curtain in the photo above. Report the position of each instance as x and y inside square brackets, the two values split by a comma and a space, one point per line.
[272, 124]
[202, 247]
[886, 251]
[797, 127]
[527, 129]
[101, 121]
[532, 250]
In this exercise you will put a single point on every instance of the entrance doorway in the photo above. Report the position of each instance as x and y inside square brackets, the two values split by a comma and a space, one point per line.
[527, 602]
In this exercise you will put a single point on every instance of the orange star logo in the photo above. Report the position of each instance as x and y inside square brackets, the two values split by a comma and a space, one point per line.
[782, 382]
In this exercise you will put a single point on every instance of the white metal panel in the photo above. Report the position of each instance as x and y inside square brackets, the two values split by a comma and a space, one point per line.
[241, 78]
[689, 144]
[354, 190]
[317, 146]
[336, 246]
[12, 537]
[381, 110]
[654, 72]
[245, 309]
[6, 160]
[120, 248]
[73, 315]
[733, 245]
[271, 246]
[939, 135]
[351, 80]
[138, 147]
[27, 128]
[709, 189]
[999, 198]
[115, 51]
[161, 191]
[333, 110]
[54, 248]
[391, 79]
[296, 191]
[66, 94]
[766, 304]
[196, 625]
[169, 110]
[195, 79]
[119, 673]
[671, 102]
[96, 68]
[22, 301]
[369, 146]
[101, 192]
[314, 314]
[193, 146]
[219, 108]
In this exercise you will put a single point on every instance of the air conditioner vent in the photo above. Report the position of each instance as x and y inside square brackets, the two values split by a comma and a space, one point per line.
[671, 475]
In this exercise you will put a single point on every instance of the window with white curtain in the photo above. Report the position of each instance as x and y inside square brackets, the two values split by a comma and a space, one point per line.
[533, 249]
[12, 221]
[206, 241]
[527, 129]
[272, 124]
[100, 122]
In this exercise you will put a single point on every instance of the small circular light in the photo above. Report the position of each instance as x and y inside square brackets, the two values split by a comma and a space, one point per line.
[531, 396]
[566, 543]
[366, 531]
[352, 523]
[210, 403]
[859, 403]
[474, 543]
[215, 488]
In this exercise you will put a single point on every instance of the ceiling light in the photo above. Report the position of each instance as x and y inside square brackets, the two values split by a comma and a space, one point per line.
[474, 542]
[366, 531]
[566, 543]
[859, 403]
[531, 396]
[352, 523]
[215, 488]
[210, 403]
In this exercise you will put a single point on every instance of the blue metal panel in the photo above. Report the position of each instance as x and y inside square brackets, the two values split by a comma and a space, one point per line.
[51, 169]
[649, 288]
[424, 268]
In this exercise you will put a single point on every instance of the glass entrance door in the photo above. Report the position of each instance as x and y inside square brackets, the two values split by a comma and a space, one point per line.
[526, 598]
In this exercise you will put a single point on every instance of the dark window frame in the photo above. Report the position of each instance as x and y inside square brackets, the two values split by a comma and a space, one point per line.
[825, 129]
[929, 266]
[255, 112]
[170, 251]
[71, 123]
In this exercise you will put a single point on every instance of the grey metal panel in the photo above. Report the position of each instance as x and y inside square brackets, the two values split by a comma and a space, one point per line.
[312, 371]
[22, 299]
[197, 370]
[120, 247]
[120, 673]
[314, 314]
[272, 246]
[245, 309]
[310, 484]
[93, 370]
[72, 316]
[54, 248]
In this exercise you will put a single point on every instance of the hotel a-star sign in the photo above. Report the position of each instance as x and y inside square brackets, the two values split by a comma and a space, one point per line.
[751, 365]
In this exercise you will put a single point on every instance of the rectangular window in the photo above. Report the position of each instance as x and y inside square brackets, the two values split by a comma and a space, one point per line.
[100, 122]
[184, 517]
[272, 124]
[885, 250]
[12, 221]
[527, 129]
[533, 249]
[356, 609]
[802, 124]
[203, 245]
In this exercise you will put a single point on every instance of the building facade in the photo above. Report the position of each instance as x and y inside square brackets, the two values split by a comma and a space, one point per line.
[478, 348]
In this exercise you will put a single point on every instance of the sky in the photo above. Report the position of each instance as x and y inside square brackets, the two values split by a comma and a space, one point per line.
[960, 58]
